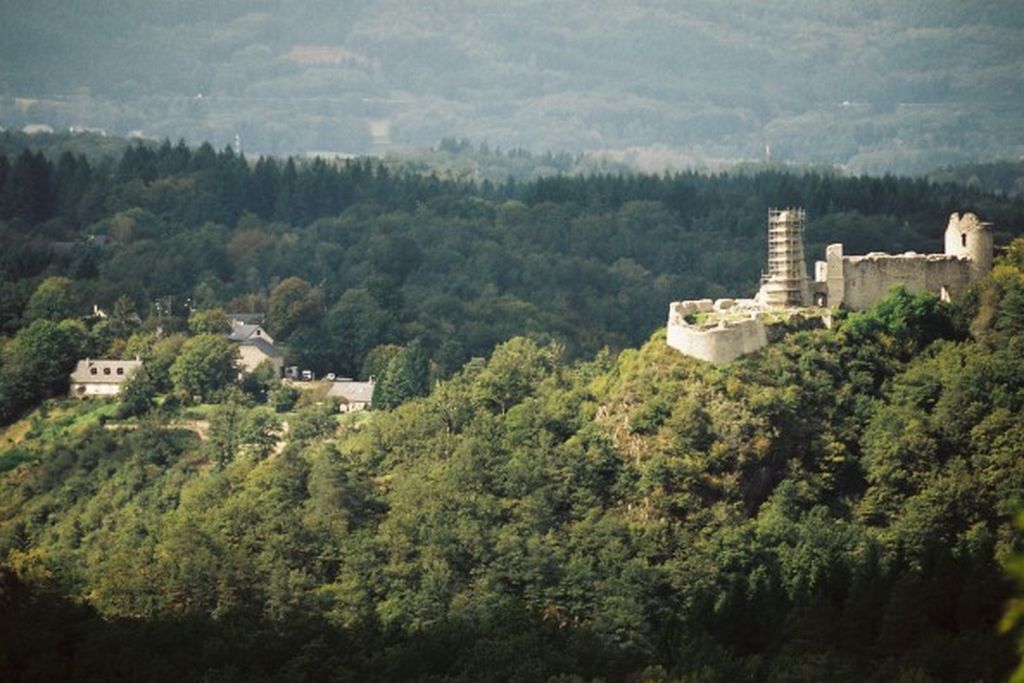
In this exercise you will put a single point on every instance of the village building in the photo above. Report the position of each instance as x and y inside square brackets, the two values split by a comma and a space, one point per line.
[255, 350]
[723, 330]
[255, 345]
[99, 377]
[350, 395]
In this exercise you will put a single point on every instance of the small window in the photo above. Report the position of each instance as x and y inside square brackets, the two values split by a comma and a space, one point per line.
[92, 371]
[120, 371]
[106, 371]
[963, 239]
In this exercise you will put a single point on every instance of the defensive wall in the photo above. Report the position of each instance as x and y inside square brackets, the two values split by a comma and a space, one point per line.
[718, 341]
[857, 282]
[721, 331]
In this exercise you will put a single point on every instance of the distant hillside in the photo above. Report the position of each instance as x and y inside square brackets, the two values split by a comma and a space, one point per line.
[1002, 177]
[872, 85]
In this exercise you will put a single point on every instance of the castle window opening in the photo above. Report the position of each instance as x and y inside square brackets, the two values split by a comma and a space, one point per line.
[963, 239]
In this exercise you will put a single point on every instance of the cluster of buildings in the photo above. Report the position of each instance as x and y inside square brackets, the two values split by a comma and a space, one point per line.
[723, 330]
[104, 377]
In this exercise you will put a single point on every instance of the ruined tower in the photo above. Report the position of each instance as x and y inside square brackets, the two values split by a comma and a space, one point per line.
[785, 282]
[967, 236]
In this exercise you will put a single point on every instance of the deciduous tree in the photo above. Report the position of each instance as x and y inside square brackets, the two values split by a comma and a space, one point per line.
[204, 366]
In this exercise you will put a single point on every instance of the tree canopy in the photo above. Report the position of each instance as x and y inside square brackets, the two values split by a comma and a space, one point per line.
[837, 506]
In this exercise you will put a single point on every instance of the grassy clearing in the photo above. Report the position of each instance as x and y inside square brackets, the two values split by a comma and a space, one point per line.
[58, 417]
[53, 419]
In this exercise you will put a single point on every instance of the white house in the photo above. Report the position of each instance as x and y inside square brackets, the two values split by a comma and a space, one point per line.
[101, 377]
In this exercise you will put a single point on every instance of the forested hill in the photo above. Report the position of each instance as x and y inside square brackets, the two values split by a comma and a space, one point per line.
[346, 257]
[872, 85]
[836, 507]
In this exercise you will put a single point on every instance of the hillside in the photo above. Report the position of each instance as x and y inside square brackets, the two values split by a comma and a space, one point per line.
[836, 507]
[351, 258]
[1004, 177]
[873, 86]
[349, 261]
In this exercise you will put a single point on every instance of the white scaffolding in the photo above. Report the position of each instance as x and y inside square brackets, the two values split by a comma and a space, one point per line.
[785, 283]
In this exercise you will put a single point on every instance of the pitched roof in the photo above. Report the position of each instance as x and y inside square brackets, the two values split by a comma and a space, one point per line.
[90, 371]
[243, 331]
[351, 391]
[263, 345]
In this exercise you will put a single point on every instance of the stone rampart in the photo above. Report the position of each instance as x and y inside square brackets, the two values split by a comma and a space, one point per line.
[866, 279]
[719, 343]
[716, 340]
[733, 328]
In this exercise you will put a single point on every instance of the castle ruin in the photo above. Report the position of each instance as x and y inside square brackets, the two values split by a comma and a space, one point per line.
[721, 331]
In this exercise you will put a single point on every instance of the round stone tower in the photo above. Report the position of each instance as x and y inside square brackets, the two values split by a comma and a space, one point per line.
[968, 236]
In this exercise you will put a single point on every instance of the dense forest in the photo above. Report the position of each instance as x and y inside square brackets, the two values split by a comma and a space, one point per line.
[836, 507]
[546, 491]
[873, 86]
[1003, 177]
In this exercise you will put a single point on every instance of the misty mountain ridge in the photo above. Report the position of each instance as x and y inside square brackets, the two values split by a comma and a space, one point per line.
[870, 87]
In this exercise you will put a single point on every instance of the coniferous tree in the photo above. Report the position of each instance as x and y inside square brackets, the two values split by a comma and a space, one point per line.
[407, 376]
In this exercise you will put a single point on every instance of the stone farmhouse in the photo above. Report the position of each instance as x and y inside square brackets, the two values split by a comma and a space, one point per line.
[101, 377]
[721, 331]
[351, 395]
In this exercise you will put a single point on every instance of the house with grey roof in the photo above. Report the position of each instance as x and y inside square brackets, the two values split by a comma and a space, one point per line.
[101, 377]
[351, 395]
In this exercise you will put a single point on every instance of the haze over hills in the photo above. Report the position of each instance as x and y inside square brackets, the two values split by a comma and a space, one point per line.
[866, 85]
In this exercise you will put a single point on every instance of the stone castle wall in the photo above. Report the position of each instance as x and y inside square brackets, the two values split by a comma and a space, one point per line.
[866, 279]
[719, 342]
[745, 331]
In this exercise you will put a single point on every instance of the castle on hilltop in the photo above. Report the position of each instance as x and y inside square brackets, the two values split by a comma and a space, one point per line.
[723, 330]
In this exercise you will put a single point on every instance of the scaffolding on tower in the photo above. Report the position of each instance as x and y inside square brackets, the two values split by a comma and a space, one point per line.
[785, 284]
